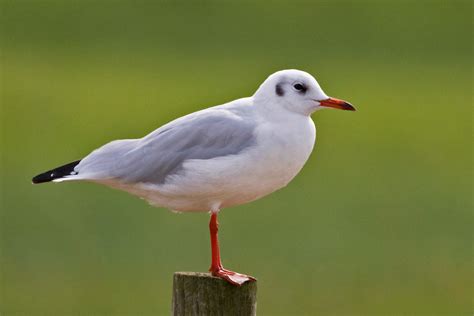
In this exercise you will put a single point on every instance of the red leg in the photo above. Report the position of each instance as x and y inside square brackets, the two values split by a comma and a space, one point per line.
[216, 266]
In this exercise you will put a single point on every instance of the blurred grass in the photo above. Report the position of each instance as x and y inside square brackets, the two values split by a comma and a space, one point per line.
[379, 221]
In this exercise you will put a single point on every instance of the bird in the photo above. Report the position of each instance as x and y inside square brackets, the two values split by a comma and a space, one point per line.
[215, 158]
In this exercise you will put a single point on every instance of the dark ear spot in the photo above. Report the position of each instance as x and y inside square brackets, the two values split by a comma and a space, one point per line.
[279, 90]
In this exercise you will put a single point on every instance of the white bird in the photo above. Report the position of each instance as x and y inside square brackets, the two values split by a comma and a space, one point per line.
[215, 158]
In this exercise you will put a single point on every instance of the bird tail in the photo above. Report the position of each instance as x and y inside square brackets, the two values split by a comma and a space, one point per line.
[57, 173]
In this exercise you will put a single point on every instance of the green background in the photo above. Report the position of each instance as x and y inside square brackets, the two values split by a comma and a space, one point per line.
[378, 222]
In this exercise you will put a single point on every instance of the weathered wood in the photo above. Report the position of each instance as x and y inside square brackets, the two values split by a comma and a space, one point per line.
[202, 294]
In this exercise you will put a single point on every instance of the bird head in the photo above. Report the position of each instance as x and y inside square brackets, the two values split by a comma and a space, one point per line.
[297, 91]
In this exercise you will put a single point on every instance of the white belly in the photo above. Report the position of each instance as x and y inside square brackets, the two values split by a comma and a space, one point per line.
[212, 184]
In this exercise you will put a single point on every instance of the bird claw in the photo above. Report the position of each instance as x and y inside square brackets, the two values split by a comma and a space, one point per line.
[232, 277]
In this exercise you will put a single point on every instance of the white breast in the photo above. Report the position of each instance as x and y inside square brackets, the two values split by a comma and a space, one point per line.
[282, 152]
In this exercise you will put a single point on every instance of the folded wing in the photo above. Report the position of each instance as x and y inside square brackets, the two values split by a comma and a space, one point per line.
[202, 135]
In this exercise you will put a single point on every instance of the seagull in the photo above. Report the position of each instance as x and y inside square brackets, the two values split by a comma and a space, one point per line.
[214, 158]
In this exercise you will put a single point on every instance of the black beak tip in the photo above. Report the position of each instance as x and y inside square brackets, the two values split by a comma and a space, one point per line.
[349, 107]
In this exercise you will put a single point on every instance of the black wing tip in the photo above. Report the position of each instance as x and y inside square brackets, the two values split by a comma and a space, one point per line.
[55, 173]
[41, 178]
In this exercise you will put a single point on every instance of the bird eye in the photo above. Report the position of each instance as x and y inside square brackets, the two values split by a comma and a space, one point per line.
[299, 87]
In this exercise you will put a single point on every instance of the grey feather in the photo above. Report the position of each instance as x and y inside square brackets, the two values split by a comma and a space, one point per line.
[202, 135]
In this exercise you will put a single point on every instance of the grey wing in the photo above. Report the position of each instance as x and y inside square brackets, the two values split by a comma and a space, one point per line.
[162, 153]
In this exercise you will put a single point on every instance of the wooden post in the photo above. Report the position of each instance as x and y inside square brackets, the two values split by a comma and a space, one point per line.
[202, 294]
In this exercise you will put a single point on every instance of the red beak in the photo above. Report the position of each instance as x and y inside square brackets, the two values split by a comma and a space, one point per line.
[337, 104]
